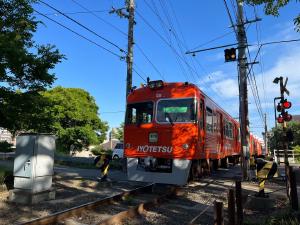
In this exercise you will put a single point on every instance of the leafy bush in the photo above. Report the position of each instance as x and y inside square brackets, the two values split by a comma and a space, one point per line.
[98, 150]
[297, 152]
[5, 146]
[285, 218]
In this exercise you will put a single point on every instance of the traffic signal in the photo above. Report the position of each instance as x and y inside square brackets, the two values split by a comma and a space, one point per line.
[281, 107]
[280, 119]
[230, 54]
[286, 104]
[287, 117]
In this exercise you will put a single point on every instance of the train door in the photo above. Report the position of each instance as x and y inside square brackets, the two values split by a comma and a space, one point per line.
[219, 132]
[201, 125]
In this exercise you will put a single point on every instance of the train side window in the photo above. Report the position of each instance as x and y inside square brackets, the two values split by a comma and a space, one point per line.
[215, 123]
[209, 120]
[225, 129]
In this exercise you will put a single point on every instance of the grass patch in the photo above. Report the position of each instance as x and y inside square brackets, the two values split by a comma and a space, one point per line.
[286, 217]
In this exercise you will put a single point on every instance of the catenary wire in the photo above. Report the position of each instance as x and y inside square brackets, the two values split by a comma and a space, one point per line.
[121, 32]
[80, 35]
[78, 12]
[99, 18]
[83, 26]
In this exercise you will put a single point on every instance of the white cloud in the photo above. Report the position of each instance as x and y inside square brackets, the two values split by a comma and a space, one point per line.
[226, 88]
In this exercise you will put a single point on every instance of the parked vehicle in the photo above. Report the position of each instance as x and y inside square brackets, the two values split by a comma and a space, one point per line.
[118, 151]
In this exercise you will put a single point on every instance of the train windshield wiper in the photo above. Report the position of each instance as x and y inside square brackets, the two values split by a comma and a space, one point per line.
[169, 118]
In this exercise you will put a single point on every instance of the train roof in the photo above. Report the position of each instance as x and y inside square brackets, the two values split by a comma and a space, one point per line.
[180, 86]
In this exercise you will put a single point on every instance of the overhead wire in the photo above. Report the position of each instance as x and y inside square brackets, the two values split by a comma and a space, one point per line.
[123, 33]
[83, 26]
[167, 34]
[99, 18]
[78, 12]
[258, 36]
[171, 27]
[180, 43]
[162, 38]
[80, 35]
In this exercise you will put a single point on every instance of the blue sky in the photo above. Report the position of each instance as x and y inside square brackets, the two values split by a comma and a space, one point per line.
[196, 23]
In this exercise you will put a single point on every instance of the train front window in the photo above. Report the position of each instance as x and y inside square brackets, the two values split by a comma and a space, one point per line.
[176, 111]
[139, 113]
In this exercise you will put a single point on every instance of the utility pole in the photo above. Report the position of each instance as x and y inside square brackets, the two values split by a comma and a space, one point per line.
[266, 136]
[242, 64]
[129, 58]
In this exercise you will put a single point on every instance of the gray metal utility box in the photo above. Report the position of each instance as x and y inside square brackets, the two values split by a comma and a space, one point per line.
[33, 165]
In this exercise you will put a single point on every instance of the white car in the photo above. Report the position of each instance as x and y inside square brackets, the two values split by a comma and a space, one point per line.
[118, 151]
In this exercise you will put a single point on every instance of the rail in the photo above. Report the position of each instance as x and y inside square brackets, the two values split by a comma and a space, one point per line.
[60, 216]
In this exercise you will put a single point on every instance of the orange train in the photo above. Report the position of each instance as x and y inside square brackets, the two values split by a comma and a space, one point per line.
[173, 131]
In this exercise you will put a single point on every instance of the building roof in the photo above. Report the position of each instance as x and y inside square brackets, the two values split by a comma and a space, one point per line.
[296, 118]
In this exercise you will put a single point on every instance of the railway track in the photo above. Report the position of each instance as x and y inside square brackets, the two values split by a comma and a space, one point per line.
[121, 207]
[110, 210]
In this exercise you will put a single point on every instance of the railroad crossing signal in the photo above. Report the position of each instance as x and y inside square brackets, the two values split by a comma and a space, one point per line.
[281, 107]
[230, 54]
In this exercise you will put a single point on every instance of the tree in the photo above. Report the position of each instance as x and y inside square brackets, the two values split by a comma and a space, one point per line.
[272, 8]
[24, 65]
[276, 139]
[22, 111]
[72, 115]
[119, 132]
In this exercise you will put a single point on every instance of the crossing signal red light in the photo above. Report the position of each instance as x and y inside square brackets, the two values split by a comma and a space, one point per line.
[286, 104]
[287, 117]
[280, 119]
[230, 54]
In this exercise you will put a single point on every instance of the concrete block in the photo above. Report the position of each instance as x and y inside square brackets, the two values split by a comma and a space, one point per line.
[25, 197]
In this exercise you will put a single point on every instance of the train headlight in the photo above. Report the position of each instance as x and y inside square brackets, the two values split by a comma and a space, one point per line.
[155, 84]
[185, 146]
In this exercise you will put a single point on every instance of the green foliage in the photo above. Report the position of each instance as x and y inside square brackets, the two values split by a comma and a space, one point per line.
[272, 8]
[22, 111]
[24, 65]
[297, 152]
[119, 132]
[98, 150]
[284, 218]
[5, 146]
[277, 138]
[71, 114]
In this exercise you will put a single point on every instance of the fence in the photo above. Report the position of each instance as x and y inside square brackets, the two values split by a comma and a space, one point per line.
[279, 156]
